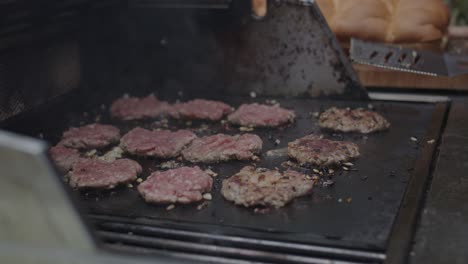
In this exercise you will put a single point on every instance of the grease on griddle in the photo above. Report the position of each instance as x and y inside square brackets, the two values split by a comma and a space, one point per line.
[314, 114]
[112, 155]
[246, 129]
[203, 205]
[327, 183]
[171, 164]
[272, 102]
[207, 196]
[90, 154]
[210, 172]
[290, 164]
[274, 153]
[262, 210]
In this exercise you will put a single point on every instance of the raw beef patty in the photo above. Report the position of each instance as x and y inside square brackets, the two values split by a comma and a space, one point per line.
[316, 150]
[64, 157]
[263, 187]
[93, 173]
[258, 115]
[132, 108]
[357, 120]
[221, 147]
[90, 136]
[161, 144]
[181, 185]
[201, 109]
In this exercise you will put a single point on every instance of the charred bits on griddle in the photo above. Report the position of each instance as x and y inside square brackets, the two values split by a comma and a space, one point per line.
[328, 183]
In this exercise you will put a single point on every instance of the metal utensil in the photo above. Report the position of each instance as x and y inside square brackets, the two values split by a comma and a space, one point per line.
[398, 58]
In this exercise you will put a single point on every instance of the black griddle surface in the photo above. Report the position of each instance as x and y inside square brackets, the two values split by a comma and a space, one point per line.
[357, 211]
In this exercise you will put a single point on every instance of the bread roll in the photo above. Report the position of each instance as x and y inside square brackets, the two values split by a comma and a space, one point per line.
[393, 21]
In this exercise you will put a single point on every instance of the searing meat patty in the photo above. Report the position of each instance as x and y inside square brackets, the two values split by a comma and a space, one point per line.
[258, 115]
[64, 157]
[263, 187]
[132, 108]
[93, 136]
[356, 120]
[201, 109]
[161, 144]
[316, 150]
[93, 173]
[221, 147]
[181, 185]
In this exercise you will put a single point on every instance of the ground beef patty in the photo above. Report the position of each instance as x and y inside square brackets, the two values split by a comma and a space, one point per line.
[161, 144]
[263, 187]
[201, 109]
[91, 136]
[315, 150]
[318, 151]
[258, 115]
[357, 120]
[132, 108]
[181, 185]
[63, 157]
[221, 147]
[93, 173]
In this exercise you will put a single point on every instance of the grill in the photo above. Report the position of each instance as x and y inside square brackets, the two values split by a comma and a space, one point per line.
[311, 229]
[212, 49]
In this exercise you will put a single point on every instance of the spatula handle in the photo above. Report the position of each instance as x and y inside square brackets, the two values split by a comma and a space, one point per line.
[259, 8]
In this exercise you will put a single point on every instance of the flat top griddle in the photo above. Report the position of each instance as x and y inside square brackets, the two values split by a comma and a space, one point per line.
[357, 211]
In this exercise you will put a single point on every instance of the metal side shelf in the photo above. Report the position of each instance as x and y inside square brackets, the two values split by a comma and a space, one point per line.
[442, 233]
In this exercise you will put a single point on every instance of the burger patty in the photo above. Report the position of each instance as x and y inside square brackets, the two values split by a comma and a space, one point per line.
[132, 108]
[201, 109]
[221, 147]
[181, 185]
[93, 173]
[63, 157]
[161, 144]
[258, 115]
[263, 187]
[91, 136]
[315, 150]
[357, 120]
